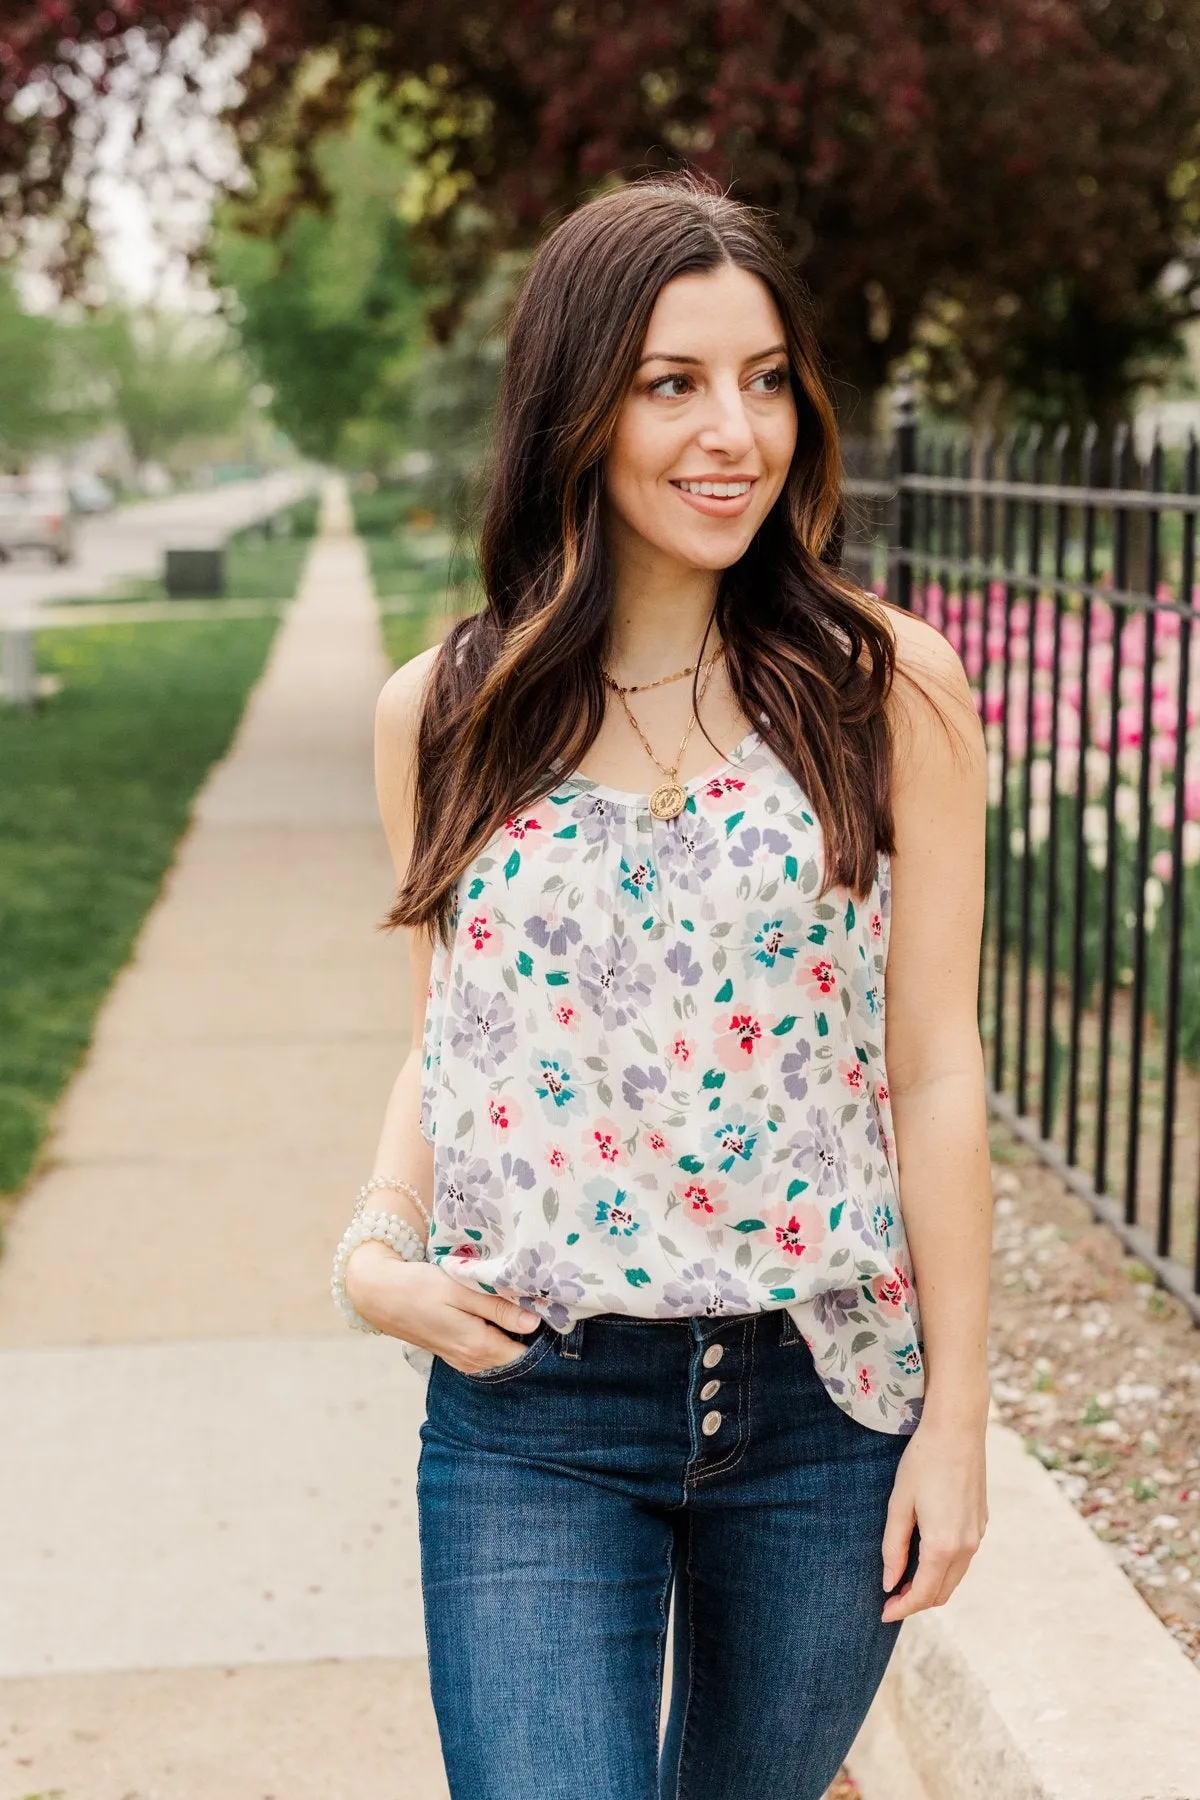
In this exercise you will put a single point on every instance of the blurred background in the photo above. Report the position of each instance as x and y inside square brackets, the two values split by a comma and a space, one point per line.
[254, 269]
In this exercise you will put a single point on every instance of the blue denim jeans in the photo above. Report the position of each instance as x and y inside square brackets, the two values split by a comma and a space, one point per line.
[563, 1496]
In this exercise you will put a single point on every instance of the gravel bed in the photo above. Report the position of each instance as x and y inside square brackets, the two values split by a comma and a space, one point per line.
[1098, 1369]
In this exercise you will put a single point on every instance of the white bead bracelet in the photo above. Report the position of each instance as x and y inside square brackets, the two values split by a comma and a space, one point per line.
[390, 1229]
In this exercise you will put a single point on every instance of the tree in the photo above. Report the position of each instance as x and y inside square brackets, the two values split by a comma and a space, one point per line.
[166, 379]
[1018, 181]
[43, 402]
[326, 305]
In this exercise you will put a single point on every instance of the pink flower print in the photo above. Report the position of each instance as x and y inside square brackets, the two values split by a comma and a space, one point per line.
[604, 1146]
[863, 1381]
[504, 1114]
[876, 925]
[654, 1140]
[521, 828]
[720, 785]
[854, 1074]
[566, 1015]
[799, 1230]
[881, 1092]
[483, 936]
[681, 1049]
[468, 1252]
[745, 1039]
[702, 1200]
[819, 977]
[889, 1293]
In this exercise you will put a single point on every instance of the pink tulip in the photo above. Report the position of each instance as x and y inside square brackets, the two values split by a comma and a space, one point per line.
[1161, 863]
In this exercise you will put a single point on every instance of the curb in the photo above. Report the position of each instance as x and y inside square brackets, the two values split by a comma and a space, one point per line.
[1045, 1677]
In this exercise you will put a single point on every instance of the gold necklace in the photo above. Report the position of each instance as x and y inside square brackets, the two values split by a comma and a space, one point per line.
[641, 686]
[670, 797]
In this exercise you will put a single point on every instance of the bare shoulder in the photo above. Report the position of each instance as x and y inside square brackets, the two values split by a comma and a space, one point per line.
[398, 709]
[931, 709]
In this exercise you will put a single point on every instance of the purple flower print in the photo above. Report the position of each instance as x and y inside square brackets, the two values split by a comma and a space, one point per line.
[883, 1223]
[819, 1155]
[832, 1308]
[596, 818]
[683, 963]
[703, 1288]
[613, 983]
[465, 1188]
[756, 845]
[688, 851]
[480, 1028]
[516, 1171]
[794, 1067]
[554, 938]
[533, 1273]
[638, 1084]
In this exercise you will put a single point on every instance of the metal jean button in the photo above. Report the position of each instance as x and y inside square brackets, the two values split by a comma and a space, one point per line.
[713, 1355]
[710, 1422]
[709, 1389]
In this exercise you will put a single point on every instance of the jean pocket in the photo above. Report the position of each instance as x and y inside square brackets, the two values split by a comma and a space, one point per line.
[531, 1353]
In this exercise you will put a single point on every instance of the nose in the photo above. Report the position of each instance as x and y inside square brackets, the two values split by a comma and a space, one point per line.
[727, 429]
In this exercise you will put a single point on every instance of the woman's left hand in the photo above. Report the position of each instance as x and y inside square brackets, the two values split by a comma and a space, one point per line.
[941, 1487]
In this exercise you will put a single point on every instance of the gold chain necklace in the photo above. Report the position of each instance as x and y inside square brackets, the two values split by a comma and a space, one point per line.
[641, 686]
[670, 797]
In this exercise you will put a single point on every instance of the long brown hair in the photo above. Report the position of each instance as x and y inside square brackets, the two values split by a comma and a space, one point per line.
[518, 685]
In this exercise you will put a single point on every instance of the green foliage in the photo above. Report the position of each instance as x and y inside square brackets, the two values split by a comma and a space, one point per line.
[96, 793]
[165, 379]
[41, 396]
[328, 307]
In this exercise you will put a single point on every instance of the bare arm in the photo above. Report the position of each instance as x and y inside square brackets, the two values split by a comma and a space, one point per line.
[939, 1112]
[417, 1301]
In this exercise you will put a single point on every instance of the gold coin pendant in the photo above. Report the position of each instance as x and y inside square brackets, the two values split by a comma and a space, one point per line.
[668, 801]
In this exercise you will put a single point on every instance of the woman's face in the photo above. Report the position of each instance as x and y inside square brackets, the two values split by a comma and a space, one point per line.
[711, 406]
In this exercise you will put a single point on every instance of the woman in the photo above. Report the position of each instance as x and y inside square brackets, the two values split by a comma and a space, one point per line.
[670, 1295]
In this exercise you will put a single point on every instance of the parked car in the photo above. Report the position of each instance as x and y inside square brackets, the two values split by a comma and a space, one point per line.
[91, 494]
[35, 518]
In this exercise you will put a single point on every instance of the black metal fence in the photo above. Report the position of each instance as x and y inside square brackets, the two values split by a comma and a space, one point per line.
[1064, 573]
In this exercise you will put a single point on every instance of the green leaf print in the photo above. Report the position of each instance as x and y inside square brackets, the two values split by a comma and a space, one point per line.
[791, 868]
[525, 963]
[751, 1225]
[512, 865]
[724, 992]
[464, 1124]
[550, 1205]
[670, 1248]
[849, 915]
[476, 888]
[557, 977]
[734, 819]
[572, 1237]
[862, 1340]
[743, 1257]
[796, 1187]
[604, 1092]
[835, 1217]
[687, 924]
[817, 934]
[822, 1025]
[848, 1112]
[692, 1164]
[861, 1054]
[637, 1277]
[784, 1026]
[487, 1287]
[472, 1233]
[568, 831]
[783, 1293]
[713, 1078]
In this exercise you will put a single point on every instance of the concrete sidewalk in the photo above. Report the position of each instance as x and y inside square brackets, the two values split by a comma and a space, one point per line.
[207, 1543]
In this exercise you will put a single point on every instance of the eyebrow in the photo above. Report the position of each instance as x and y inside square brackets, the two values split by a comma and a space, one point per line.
[669, 356]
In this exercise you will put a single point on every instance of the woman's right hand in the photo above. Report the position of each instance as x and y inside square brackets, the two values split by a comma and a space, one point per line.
[419, 1302]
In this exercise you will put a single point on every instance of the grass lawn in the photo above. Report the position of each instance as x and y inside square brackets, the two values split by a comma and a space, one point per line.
[95, 793]
[417, 569]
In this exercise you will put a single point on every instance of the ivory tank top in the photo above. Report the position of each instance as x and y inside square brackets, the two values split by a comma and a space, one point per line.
[653, 1076]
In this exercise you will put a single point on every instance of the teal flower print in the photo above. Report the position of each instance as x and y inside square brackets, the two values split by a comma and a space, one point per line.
[608, 1211]
[556, 1087]
[774, 944]
[737, 1142]
[638, 881]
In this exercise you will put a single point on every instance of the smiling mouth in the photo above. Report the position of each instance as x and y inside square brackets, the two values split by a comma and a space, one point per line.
[717, 490]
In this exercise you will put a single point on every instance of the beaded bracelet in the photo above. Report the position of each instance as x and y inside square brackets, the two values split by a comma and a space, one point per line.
[398, 1187]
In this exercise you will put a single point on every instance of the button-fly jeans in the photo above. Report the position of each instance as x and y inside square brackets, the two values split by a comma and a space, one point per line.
[564, 1496]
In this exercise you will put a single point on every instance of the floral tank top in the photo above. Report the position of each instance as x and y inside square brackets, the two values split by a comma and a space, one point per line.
[653, 1076]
